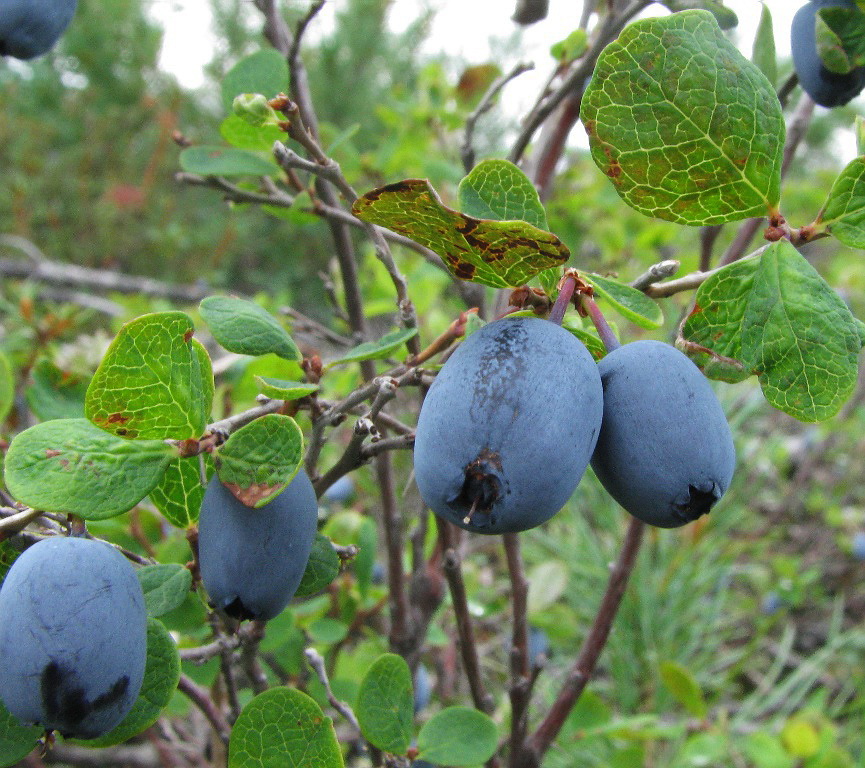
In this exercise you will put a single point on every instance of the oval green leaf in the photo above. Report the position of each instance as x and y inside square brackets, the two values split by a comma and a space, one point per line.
[71, 466]
[763, 54]
[226, 161]
[7, 387]
[498, 189]
[283, 728]
[245, 328]
[458, 736]
[164, 586]
[385, 704]
[261, 458]
[264, 72]
[681, 683]
[151, 382]
[279, 389]
[843, 214]
[161, 674]
[242, 135]
[633, 304]
[686, 128]
[55, 394]
[501, 254]
[374, 350]
[16, 740]
[774, 316]
[179, 493]
[321, 569]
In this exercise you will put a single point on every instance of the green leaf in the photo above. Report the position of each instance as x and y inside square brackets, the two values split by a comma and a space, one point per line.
[571, 48]
[374, 350]
[71, 466]
[283, 728]
[633, 304]
[763, 54]
[364, 561]
[474, 82]
[859, 133]
[591, 340]
[684, 126]
[327, 632]
[7, 387]
[241, 135]
[279, 389]
[840, 37]
[226, 161]
[458, 736]
[774, 316]
[843, 213]
[765, 750]
[179, 493]
[245, 328]
[385, 704]
[261, 458]
[8, 554]
[547, 583]
[686, 690]
[164, 586]
[725, 17]
[321, 569]
[55, 394]
[204, 376]
[150, 384]
[497, 189]
[500, 254]
[590, 714]
[264, 72]
[800, 737]
[16, 740]
[161, 674]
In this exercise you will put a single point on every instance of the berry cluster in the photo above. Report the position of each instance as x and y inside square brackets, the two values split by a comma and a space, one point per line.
[520, 409]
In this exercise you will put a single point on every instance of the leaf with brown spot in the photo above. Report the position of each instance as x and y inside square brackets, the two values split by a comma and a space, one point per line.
[255, 493]
[501, 254]
[261, 458]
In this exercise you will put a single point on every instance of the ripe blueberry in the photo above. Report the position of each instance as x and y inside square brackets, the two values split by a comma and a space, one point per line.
[665, 451]
[252, 560]
[73, 637]
[826, 88]
[29, 28]
[508, 426]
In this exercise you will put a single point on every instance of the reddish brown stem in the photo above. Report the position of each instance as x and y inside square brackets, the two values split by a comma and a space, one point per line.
[600, 323]
[566, 293]
[468, 647]
[584, 665]
[520, 690]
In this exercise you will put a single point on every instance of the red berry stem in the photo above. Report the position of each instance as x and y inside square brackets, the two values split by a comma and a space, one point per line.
[600, 322]
[566, 293]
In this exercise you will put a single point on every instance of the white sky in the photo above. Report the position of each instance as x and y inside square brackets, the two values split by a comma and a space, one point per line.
[470, 29]
[461, 27]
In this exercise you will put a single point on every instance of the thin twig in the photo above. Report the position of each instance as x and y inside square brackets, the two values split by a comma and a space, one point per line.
[657, 272]
[484, 105]
[584, 665]
[451, 565]
[574, 82]
[316, 661]
[72, 275]
[200, 696]
[17, 521]
[520, 673]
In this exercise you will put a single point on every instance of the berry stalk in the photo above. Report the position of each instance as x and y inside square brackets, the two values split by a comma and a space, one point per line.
[600, 322]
